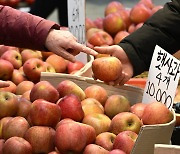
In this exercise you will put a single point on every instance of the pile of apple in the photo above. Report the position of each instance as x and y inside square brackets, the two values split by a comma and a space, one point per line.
[118, 22]
[18, 65]
[66, 119]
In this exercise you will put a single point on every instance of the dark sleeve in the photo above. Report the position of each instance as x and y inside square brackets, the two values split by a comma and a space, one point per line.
[22, 29]
[162, 29]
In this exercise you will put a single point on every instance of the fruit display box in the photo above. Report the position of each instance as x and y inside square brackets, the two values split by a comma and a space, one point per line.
[149, 135]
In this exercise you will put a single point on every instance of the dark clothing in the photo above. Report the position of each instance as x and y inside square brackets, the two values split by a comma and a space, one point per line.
[44, 8]
[162, 29]
[23, 29]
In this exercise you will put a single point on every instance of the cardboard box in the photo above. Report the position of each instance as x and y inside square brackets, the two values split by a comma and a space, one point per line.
[149, 135]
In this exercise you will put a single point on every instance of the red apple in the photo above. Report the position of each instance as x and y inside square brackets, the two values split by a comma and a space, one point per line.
[6, 69]
[131, 28]
[49, 67]
[17, 145]
[73, 137]
[112, 7]
[113, 23]
[125, 141]
[140, 13]
[59, 63]
[116, 104]
[97, 92]
[71, 107]
[66, 87]
[99, 22]
[119, 36]
[29, 53]
[44, 90]
[46, 54]
[1, 145]
[11, 88]
[91, 105]
[44, 113]
[41, 139]
[32, 69]
[24, 107]
[8, 104]
[17, 126]
[101, 66]
[147, 3]
[4, 48]
[93, 148]
[125, 121]
[24, 86]
[3, 122]
[117, 151]
[74, 66]
[156, 113]
[105, 140]
[100, 122]
[138, 109]
[26, 95]
[18, 77]
[89, 23]
[14, 57]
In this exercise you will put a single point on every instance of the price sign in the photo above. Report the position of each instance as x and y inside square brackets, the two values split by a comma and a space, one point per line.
[162, 79]
[76, 23]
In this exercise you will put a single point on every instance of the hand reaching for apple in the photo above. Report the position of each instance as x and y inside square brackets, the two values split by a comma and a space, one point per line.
[4, 84]
[64, 44]
[127, 68]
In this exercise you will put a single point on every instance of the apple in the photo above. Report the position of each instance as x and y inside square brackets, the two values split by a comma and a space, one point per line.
[17, 145]
[113, 23]
[18, 76]
[131, 28]
[138, 109]
[91, 105]
[41, 139]
[16, 126]
[6, 69]
[89, 24]
[29, 53]
[24, 107]
[8, 104]
[93, 148]
[140, 13]
[49, 67]
[26, 95]
[71, 107]
[101, 66]
[125, 141]
[14, 57]
[1, 145]
[32, 69]
[71, 67]
[99, 37]
[11, 88]
[66, 87]
[112, 7]
[99, 55]
[116, 151]
[125, 121]
[156, 113]
[120, 36]
[147, 3]
[44, 90]
[73, 136]
[44, 113]
[46, 54]
[3, 122]
[58, 62]
[63, 121]
[4, 48]
[105, 140]
[99, 22]
[116, 104]
[24, 86]
[100, 122]
[97, 92]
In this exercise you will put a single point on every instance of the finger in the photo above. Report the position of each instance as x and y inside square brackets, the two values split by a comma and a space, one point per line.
[4, 84]
[63, 53]
[79, 47]
[104, 50]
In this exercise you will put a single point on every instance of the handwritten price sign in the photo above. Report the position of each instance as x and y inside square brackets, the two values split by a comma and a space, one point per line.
[162, 79]
[76, 19]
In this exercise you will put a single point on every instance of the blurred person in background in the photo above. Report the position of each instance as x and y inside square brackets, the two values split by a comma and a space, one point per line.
[44, 8]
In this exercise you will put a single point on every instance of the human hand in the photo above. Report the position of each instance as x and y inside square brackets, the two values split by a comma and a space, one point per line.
[4, 84]
[64, 44]
[127, 68]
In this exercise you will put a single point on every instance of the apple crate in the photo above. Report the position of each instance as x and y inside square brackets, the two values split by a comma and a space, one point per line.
[149, 135]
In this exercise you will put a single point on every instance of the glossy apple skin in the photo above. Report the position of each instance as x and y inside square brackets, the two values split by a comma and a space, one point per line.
[93, 148]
